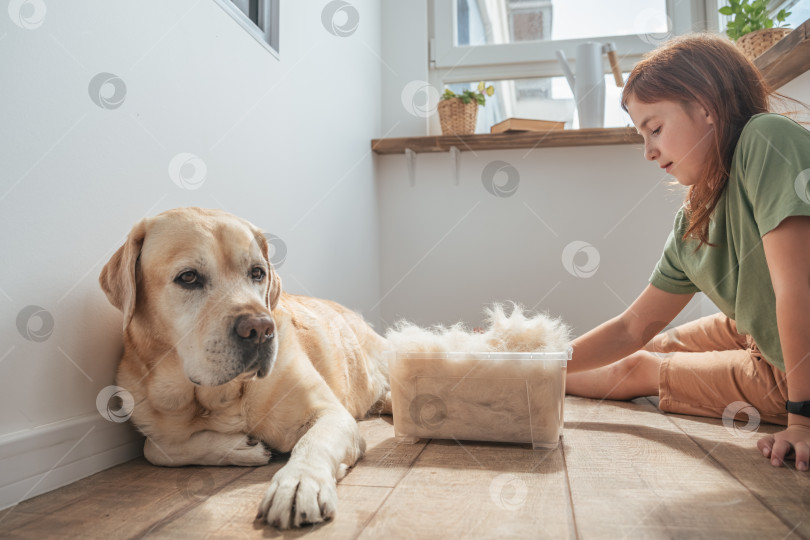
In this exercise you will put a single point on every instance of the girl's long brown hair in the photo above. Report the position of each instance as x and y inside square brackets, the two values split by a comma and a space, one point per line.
[708, 70]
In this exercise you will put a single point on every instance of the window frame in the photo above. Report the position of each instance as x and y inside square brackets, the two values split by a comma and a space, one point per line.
[449, 64]
[266, 33]
[452, 63]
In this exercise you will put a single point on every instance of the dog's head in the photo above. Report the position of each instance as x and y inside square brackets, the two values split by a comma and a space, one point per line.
[199, 281]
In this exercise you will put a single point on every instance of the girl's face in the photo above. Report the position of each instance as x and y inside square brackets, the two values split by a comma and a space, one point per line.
[677, 136]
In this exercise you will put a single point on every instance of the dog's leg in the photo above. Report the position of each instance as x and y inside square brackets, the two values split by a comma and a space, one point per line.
[207, 448]
[305, 490]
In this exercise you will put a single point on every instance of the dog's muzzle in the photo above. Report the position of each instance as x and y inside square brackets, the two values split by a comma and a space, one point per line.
[255, 334]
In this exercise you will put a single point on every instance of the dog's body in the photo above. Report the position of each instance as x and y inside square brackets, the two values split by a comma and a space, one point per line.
[218, 357]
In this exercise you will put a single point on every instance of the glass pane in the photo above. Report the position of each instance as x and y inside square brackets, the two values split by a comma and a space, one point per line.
[799, 12]
[250, 8]
[482, 22]
[547, 98]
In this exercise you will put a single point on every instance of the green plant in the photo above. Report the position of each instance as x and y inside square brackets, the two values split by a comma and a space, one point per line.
[479, 95]
[750, 15]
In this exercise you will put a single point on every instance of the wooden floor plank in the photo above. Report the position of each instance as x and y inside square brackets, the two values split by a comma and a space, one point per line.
[467, 490]
[54, 500]
[784, 490]
[387, 459]
[132, 473]
[231, 514]
[633, 474]
[212, 507]
[12, 519]
[124, 502]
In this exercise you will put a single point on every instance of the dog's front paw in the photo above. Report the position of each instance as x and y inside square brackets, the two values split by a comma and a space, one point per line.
[248, 452]
[298, 496]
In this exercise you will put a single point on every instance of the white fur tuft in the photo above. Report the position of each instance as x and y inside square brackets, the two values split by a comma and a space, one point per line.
[512, 333]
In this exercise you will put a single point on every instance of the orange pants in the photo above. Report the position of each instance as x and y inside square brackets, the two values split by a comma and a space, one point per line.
[706, 366]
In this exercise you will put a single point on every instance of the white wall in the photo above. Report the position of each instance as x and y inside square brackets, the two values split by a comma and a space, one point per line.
[451, 249]
[799, 89]
[404, 52]
[286, 146]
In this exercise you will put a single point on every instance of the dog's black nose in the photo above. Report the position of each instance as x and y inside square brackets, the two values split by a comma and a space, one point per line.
[255, 328]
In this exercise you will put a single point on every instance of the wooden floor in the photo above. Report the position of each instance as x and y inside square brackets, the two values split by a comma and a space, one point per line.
[624, 470]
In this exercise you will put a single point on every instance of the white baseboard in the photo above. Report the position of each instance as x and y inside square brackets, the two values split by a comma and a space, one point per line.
[41, 459]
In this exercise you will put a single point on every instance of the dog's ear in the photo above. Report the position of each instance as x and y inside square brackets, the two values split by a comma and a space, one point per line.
[274, 289]
[118, 279]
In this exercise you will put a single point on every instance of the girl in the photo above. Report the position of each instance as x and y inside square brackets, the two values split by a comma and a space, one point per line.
[742, 237]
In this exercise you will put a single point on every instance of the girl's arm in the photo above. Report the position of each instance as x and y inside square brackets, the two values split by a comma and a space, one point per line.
[628, 332]
[787, 250]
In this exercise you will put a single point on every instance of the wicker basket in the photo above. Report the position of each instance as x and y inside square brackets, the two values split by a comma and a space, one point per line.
[757, 42]
[457, 117]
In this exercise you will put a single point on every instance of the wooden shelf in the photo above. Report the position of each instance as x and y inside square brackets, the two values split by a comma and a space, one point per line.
[508, 141]
[780, 64]
[787, 59]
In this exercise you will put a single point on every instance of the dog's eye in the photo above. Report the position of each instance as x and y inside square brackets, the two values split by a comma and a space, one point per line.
[258, 273]
[189, 278]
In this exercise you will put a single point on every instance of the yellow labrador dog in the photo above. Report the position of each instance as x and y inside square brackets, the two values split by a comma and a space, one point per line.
[218, 358]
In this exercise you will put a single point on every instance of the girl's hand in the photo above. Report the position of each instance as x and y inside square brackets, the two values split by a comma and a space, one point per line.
[793, 442]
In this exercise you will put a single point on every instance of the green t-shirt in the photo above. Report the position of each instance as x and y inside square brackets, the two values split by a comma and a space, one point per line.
[768, 182]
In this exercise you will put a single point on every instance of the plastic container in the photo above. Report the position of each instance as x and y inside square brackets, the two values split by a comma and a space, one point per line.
[487, 396]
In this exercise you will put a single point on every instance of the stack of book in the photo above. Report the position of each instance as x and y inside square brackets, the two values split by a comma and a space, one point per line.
[511, 125]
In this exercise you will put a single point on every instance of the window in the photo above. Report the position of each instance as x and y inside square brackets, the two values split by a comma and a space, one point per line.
[547, 98]
[259, 18]
[501, 33]
[512, 43]
[799, 11]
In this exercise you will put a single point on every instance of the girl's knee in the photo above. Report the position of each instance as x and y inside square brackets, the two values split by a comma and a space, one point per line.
[637, 374]
[633, 376]
[639, 360]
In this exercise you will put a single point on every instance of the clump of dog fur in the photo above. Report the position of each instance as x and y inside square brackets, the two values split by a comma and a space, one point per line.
[515, 332]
